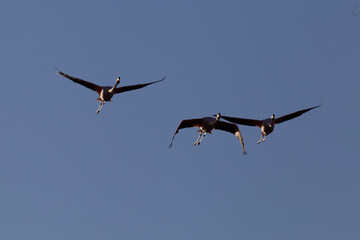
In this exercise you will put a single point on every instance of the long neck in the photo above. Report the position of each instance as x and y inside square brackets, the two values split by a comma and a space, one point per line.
[218, 117]
[272, 121]
[116, 83]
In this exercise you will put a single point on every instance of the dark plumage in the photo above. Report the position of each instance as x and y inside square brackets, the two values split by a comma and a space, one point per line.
[267, 125]
[106, 92]
[206, 125]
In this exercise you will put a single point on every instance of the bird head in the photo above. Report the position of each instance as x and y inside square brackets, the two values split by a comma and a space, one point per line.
[272, 120]
[218, 116]
[118, 80]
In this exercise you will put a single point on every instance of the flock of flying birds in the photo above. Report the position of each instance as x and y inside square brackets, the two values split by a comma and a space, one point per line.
[205, 125]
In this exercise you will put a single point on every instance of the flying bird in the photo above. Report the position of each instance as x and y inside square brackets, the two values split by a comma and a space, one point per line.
[266, 125]
[206, 125]
[106, 92]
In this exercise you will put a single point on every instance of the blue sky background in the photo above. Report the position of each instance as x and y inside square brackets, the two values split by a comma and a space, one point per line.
[67, 173]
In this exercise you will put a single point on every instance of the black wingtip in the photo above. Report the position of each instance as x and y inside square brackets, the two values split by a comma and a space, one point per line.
[316, 106]
[172, 140]
[158, 80]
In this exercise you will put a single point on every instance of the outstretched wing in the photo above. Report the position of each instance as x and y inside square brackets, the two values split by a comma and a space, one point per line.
[89, 85]
[243, 121]
[134, 87]
[293, 115]
[186, 124]
[231, 128]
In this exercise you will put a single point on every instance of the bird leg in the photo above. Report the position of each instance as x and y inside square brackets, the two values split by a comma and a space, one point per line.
[201, 139]
[196, 142]
[262, 138]
[102, 103]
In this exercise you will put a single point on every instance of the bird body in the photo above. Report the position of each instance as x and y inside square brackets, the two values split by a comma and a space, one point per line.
[266, 125]
[206, 125]
[106, 92]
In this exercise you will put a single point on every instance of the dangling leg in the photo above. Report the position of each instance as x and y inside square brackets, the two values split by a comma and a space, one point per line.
[100, 106]
[196, 142]
[264, 138]
[260, 138]
[98, 110]
[201, 139]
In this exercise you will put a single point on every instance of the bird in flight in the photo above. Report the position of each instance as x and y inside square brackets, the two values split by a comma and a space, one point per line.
[106, 92]
[206, 125]
[266, 125]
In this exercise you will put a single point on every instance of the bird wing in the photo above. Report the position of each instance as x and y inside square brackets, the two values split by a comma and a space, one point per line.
[134, 87]
[231, 128]
[292, 115]
[186, 124]
[89, 85]
[243, 121]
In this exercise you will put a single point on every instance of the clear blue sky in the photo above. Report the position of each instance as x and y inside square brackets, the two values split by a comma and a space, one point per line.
[67, 173]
